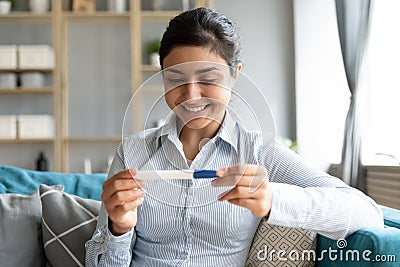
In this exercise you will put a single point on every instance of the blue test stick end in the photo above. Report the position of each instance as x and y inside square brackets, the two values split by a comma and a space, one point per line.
[204, 174]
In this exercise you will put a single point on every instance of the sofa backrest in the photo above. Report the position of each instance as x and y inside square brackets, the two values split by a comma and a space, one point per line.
[15, 180]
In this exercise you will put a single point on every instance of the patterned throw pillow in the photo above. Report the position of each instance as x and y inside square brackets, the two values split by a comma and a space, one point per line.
[20, 230]
[68, 222]
[282, 246]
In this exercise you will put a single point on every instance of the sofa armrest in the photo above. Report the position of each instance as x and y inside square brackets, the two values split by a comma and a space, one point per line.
[391, 216]
[366, 247]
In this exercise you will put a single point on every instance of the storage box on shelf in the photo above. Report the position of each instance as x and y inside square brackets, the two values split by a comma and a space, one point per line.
[8, 127]
[35, 57]
[8, 57]
[8, 80]
[35, 126]
[32, 79]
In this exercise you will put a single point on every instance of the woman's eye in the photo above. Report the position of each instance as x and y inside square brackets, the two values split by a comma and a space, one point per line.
[175, 80]
[208, 80]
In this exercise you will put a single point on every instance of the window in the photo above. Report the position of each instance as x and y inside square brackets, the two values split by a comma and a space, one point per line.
[382, 105]
[322, 95]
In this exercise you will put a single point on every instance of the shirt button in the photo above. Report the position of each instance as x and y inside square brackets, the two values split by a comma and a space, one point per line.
[184, 256]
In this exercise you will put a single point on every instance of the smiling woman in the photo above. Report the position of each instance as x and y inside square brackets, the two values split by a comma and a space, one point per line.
[203, 222]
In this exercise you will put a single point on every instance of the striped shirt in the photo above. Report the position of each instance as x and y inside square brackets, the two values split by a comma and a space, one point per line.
[180, 223]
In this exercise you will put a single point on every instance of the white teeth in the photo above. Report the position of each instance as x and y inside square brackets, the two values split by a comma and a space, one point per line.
[196, 109]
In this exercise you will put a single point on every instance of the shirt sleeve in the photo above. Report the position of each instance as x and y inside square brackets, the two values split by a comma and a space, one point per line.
[308, 198]
[105, 249]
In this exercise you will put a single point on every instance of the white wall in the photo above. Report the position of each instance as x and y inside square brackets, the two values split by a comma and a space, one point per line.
[321, 87]
[268, 53]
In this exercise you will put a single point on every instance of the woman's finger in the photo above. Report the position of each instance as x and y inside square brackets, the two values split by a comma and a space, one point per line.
[117, 215]
[240, 180]
[128, 206]
[230, 180]
[241, 169]
[124, 174]
[240, 192]
[119, 185]
[121, 197]
[242, 174]
[258, 202]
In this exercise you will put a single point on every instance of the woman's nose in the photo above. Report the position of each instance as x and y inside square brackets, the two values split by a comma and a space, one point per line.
[192, 90]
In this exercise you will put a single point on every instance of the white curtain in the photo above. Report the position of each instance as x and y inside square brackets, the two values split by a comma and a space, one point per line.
[354, 19]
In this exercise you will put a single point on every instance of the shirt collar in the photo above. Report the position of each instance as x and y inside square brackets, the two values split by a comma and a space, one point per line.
[168, 130]
[228, 131]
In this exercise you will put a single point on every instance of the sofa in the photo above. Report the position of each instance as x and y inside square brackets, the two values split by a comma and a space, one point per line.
[46, 218]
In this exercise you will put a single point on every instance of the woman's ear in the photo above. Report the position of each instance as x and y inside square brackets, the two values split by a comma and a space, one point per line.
[234, 78]
[238, 69]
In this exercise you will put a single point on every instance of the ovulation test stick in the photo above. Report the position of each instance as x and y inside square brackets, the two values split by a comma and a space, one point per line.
[176, 174]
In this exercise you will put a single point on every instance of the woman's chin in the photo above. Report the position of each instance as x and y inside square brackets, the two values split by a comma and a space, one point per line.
[198, 123]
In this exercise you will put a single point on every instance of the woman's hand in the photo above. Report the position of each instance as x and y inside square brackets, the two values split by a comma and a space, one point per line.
[251, 188]
[121, 196]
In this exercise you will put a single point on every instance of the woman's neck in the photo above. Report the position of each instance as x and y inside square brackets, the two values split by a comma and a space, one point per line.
[193, 139]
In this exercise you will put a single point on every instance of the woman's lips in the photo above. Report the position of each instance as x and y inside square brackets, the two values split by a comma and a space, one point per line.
[194, 108]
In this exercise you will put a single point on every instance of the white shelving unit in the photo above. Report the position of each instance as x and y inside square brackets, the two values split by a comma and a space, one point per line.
[28, 28]
[98, 67]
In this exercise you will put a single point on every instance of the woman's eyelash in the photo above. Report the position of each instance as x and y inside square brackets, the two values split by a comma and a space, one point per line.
[208, 80]
[183, 81]
[176, 80]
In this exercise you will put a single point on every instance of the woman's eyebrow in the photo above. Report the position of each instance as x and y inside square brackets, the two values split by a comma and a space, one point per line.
[200, 71]
[205, 70]
[174, 70]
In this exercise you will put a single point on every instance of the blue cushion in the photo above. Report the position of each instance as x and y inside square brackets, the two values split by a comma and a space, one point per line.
[391, 216]
[20, 181]
[381, 242]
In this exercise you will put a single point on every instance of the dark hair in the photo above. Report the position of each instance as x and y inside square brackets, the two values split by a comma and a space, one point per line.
[203, 27]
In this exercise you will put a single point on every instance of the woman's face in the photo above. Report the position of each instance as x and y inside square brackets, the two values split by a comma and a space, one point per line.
[197, 84]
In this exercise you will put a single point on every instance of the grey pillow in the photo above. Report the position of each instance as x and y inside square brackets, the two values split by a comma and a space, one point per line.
[68, 221]
[20, 232]
[296, 244]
